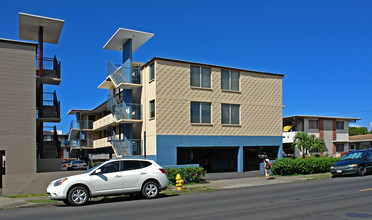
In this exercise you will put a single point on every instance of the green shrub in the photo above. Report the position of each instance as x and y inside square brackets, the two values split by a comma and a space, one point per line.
[188, 174]
[309, 165]
[95, 163]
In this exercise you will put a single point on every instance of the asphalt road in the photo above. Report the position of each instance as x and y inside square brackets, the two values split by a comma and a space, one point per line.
[337, 198]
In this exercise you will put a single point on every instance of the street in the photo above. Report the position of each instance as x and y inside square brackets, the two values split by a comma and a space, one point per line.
[337, 198]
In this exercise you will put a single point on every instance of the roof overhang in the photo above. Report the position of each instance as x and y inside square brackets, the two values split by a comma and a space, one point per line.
[320, 117]
[106, 84]
[74, 111]
[122, 35]
[29, 28]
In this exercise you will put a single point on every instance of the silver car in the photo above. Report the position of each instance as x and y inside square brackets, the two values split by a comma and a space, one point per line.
[78, 165]
[113, 177]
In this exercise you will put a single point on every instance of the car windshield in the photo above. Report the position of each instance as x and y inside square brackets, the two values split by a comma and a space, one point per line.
[352, 156]
[92, 168]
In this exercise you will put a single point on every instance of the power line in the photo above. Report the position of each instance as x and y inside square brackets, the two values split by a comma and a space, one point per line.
[349, 113]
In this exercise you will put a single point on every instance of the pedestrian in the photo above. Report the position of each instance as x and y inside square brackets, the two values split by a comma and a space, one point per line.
[267, 166]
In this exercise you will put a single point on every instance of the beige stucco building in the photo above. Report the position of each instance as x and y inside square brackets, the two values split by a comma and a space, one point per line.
[178, 112]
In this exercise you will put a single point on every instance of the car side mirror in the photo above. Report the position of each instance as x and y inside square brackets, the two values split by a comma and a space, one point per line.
[98, 171]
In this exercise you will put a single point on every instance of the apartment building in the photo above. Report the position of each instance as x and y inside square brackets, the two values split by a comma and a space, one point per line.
[333, 130]
[179, 112]
[27, 104]
[359, 142]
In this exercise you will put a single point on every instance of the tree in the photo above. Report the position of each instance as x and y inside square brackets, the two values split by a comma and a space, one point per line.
[358, 131]
[316, 144]
[306, 143]
[300, 141]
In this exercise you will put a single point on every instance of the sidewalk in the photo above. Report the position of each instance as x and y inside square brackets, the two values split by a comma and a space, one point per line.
[215, 182]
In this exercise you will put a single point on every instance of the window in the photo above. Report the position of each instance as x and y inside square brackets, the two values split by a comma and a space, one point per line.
[132, 165]
[145, 163]
[200, 77]
[200, 112]
[369, 154]
[230, 80]
[152, 109]
[152, 71]
[230, 114]
[110, 167]
[313, 124]
[339, 125]
[339, 148]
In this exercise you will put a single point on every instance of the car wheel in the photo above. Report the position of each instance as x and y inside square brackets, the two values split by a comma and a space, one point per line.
[361, 171]
[78, 196]
[150, 190]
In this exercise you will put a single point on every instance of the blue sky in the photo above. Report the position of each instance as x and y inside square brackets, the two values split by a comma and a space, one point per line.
[323, 47]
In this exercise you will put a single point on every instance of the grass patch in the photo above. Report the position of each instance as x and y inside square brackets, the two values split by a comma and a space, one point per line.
[25, 196]
[318, 177]
[186, 190]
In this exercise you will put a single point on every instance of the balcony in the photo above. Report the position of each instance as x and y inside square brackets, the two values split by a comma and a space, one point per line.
[128, 112]
[124, 112]
[82, 125]
[103, 142]
[49, 146]
[50, 72]
[121, 147]
[104, 122]
[121, 77]
[49, 111]
[81, 143]
[51, 149]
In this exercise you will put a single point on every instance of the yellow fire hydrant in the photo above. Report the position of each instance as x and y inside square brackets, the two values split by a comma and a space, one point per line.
[179, 181]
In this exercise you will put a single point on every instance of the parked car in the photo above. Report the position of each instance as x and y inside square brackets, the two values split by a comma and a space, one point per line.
[64, 166]
[113, 177]
[78, 165]
[355, 162]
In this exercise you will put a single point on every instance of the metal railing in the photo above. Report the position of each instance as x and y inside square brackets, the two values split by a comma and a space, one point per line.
[81, 124]
[134, 146]
[51, 149]
[119, 146]
[50, 106]
[121, 74]
[130, 111]
[51, 67]
[78, 143]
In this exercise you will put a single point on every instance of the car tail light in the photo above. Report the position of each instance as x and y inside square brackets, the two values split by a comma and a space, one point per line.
[162, 170]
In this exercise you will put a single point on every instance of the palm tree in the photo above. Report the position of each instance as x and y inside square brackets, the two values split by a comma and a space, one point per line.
[300, 141]
[316, 144]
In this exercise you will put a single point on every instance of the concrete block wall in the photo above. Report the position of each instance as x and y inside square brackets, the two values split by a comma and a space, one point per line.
[18, 106]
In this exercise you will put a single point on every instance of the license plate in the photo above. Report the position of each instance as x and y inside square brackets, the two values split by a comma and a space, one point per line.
[339, 171]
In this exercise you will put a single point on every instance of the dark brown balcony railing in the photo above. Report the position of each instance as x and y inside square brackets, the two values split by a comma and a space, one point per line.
[50, 106]
[51, 67]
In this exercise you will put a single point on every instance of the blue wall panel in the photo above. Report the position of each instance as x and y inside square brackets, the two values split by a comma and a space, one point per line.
[167, 145]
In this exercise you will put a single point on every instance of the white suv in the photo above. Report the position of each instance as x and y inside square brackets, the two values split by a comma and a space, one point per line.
[113, 177]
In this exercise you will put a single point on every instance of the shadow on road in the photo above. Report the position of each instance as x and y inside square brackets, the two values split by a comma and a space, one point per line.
[113, 199]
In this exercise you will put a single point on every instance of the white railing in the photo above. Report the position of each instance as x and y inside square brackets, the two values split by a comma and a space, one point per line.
[289, 136]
